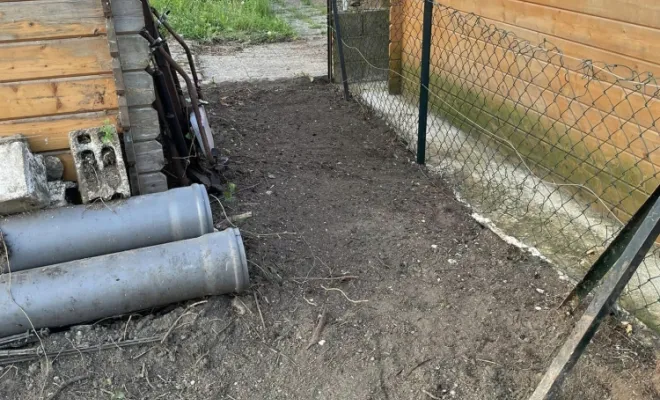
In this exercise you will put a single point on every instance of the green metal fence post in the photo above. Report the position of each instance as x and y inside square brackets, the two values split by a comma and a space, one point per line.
[424, 82]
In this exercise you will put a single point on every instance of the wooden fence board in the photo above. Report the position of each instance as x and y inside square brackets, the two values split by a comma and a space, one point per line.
[54, 59]
[632, 40]
[52, 133]
[61, 96]
[44, 19]
[632, 11]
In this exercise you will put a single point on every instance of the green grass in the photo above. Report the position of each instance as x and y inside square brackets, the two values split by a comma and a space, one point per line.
[208, 20]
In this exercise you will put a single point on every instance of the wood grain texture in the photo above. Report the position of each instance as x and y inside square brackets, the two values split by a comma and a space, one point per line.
[153, 182]
[573, 99]
[128, 16]
[134, 52]
[61, 96]
[139, 89]
[588, 150]
[632, 11]
[144, 124]
[54, 59]
[631, 40]
[149, 156]
[606, 184]
[43, 19]
[52, 133]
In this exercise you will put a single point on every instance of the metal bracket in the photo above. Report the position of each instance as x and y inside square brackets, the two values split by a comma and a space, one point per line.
[621, 260]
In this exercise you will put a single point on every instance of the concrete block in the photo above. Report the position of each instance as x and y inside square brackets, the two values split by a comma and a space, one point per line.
[376, 22]
[23, 184]
[57, 193]
[350, 24]
[99, 164]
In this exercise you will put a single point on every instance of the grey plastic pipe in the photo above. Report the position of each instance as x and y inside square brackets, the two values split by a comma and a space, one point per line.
[65, 234]
[86, 290]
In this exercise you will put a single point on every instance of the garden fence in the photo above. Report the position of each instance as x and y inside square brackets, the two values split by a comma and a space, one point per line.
[555, 151]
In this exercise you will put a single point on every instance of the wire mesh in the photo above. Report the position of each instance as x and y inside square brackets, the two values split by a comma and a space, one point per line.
[557, 151]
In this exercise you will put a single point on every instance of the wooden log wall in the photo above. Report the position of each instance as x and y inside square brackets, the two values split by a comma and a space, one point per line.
[58, 73]
[55, 72]
[145, 129]
[605, 128]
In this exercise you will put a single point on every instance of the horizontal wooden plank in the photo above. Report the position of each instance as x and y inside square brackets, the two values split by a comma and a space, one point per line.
[44, 19]
[61, 96]
[149, 156]
[54, 58]
[52, 133]
[144, 124]
[134, 52]
[632, 40]
[128, 16]
[153, 182]
[491, 84]
[571, 98]
[632, 11]
[614, 191]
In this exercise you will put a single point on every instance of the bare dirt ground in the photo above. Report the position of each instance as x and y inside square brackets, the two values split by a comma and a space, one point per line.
[419, 300]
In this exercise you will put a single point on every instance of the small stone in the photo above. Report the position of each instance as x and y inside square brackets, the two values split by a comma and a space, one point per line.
[269, 192]
[271, 176]
[54, 168]
[451, 261]
[452, 393]
[537, 308]
[321, 342]
[434, 246]
[539, 290]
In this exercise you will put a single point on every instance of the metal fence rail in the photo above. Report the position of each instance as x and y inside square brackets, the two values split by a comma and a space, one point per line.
[557, 151]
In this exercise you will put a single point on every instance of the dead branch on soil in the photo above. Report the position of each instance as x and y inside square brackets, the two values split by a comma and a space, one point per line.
[343, 293]
[22, 355]
[316, 335]
[430, 395]
[255, 235]
[261, 316]
[343, 278]
[233, 220]
[67, 383]
[21, 339]
[174, 325]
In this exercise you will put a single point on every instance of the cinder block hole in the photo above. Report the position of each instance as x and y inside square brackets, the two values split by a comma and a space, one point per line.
[84, 139]
[109, 157]
[87, 158]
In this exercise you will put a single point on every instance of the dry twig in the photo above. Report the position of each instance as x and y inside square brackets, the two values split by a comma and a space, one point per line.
[22, 355]
[316, 335]
[342, 292]
[67, 383]
[430, 395]
[261, 316]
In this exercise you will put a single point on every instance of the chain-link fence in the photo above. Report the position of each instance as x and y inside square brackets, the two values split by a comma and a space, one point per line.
[557, 151]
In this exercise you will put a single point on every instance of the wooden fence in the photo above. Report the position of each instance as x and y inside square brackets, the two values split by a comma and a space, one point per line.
[580, 76]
